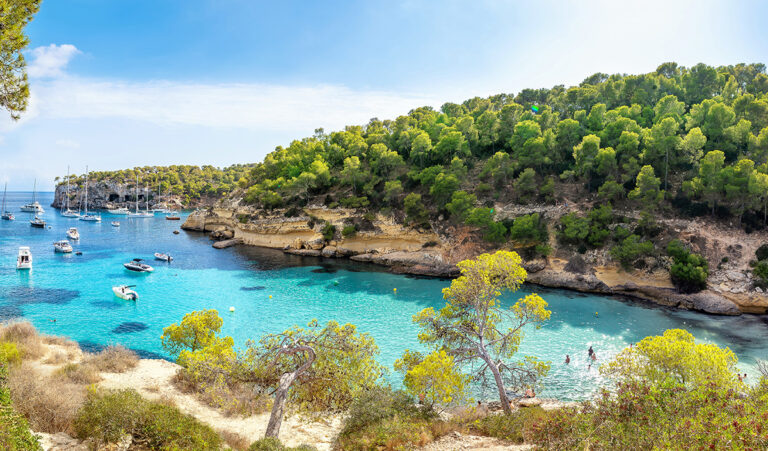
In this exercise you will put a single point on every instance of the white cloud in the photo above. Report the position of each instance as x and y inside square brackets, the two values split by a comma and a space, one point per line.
[50, 61]
[250, 106]
[68, 143]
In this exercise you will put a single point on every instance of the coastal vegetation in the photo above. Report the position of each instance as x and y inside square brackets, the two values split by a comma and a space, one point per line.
[16, 15]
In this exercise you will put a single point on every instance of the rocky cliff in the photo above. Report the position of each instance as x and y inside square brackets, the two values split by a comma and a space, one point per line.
[382, 240]
[109, 194]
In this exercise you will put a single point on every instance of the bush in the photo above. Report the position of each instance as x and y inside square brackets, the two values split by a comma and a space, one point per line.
[26, 338]
[49, 403]
[14, 429]
[349, 231]
[415, 210]
[113, 359]
[329, 230]
[387, 419]
[528, 230]
[760, 271]
[273, 444]
[689, 272]
[78, 374]
[355, 202]
[9, 353]
[630, 249]
[762, 252]
[107, 415]
[513, 427]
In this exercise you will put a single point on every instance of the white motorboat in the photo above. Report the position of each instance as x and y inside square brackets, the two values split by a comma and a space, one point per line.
[73, 234]
[115, 223]
[136, 265]
[120, 211]
[88, 217]
[125, 292]
[62, 247]
[6, 215]
[37, 222]
[68, 213]
[24, 260]
[34, 206]
[163, 257]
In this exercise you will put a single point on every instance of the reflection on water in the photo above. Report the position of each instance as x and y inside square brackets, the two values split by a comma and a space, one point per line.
[75, 292]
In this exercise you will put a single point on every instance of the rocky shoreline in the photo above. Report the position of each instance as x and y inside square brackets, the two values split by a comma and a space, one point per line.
[381, 240]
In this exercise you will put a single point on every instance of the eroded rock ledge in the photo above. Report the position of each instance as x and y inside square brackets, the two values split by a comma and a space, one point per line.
[381, 240]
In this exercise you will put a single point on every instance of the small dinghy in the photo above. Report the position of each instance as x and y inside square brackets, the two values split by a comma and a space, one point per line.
[136, 265]
[73, 234]
[173, 216]
[24, 260]
[163, 257]
[37, 222]
[62, 246]
[115, 224]
[125, 292]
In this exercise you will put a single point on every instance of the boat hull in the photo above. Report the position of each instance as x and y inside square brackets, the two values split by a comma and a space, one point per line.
[125, 294]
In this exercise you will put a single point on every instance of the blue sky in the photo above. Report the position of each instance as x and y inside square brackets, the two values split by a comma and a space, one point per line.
[122, 83]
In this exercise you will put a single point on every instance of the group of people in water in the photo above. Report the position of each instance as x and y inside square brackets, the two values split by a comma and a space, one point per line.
[591, 354]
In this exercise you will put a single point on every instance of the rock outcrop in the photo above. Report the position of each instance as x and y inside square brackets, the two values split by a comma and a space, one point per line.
[109, 194]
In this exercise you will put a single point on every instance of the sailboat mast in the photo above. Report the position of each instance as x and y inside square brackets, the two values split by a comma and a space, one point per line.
[34, 192]
[137, 193]
[5, 190]
[67, 187]
[86, 191]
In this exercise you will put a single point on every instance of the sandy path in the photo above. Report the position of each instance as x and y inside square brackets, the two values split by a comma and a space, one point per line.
[152, 378]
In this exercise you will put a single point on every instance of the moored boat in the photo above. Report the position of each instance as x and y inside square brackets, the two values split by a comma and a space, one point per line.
[6, 215]
[62, 247]
[73, 234]
[136, 265]
[173, 217]
[34, 206]
[68, 213]
[120, 211]
[37, 222]
[115, 223]
[163, 257]
[125, 292]
[24, 260]
[88, 217]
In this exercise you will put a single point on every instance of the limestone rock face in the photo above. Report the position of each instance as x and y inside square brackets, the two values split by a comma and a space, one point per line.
[329, 251]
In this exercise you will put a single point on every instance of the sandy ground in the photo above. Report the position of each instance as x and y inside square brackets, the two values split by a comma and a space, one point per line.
[152, 378]
[456, 442]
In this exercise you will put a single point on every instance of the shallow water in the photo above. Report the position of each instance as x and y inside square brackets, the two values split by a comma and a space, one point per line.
[71, 295]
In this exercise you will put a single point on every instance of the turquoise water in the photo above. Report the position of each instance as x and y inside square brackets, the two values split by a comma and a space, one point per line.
[75, 291]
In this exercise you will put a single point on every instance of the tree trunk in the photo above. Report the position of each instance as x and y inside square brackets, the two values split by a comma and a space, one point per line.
[500, 386]
[278, 408]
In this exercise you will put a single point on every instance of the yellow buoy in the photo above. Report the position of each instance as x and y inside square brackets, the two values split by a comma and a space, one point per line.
[270, 296]
[231, 309]
[394, 289]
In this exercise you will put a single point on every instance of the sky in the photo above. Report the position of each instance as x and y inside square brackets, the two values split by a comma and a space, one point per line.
[124, 83]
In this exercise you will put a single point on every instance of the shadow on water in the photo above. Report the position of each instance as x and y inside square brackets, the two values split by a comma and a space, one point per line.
[129, 327]
[109, 305]
[93, 347]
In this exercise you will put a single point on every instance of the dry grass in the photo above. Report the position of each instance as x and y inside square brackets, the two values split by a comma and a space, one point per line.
[113, 359]
[231, 399]
[234, 440]
[58, 357]
[49, 403]
[24, 334]
[82, 374]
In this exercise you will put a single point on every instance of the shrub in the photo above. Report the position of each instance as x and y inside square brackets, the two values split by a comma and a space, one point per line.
[689, 271]
[762, 252]
[273, 444]
[49, 403]
[355, 202]
[14, 429]
[528, 229]
[385, 419]
[760, 271]
[513, 427]
[415, 210]
[26, 338]
[630, 249]
[107, 415]
[9, 353]
[349, 231]
[329, 230]
[79, 374]
[113, 359]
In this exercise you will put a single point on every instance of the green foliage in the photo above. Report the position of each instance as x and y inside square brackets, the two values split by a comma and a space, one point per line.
[760, 271]
[415, 209]
[762, 252]
[460, 204]
[355, 202]
[514, 427]
[689, 271]
[15, 434]
[16, 15]
[273, 444]
[529, 230]
[9, 353]
[328, 231]
[610, 191]
[349, 231]
[107, 415]
[196, 331]
[473, 327]
[630, 249]
[592, 229]
[382, 418]
[434, 378]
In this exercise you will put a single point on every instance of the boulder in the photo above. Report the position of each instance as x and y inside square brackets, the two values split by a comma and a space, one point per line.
[315, 244]
[735, 276]
[528, 402]
[329, 251]
[298, 243]
[227, 243]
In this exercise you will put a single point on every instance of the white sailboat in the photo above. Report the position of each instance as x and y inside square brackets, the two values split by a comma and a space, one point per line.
[68, 213]
[140, 214]
[73, 234]
[62, 247]
[86, 216]
[35, 206]
[24, 260]
[120, 211]
[7, 215]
